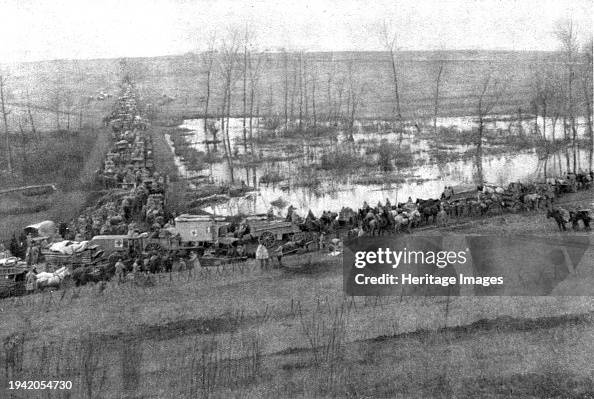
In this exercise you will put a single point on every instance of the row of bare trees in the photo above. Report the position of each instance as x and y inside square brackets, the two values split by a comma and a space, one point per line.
[20, 111]
[563, 91]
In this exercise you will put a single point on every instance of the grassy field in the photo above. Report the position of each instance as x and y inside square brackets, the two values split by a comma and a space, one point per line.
[242, 332]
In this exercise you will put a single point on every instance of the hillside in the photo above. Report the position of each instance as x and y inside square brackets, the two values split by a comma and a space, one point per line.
[175, 84]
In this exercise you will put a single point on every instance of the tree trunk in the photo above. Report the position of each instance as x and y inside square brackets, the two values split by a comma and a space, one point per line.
[305, 98]
[24, 160]
[313, 102]
[293, 91]
[245, 57]
[286, 90]
[4, 117]
[588, 100]
[544, 120]
[396, 93]
[228, 118]
[436, 109]
[300, 92]
[206, 111]
[251, 119]
[479, 152]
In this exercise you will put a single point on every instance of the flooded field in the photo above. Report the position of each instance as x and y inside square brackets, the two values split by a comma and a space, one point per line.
[288, 170]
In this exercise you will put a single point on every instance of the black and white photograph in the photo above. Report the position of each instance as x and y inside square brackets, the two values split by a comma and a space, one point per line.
[296, 199]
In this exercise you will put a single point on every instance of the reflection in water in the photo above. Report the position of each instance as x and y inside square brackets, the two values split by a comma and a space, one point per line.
[323, 190]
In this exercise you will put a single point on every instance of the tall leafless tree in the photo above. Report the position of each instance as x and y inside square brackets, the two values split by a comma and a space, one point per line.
[543, 95]
[389, 40]
[248, 39]
[208, 58]
[286, 88]
[587, 68]
[439, 66]
[30, 112]
[313, 79]
[489, 95]
[228, 61]
[331, 72]
[256, 64]
[5, 112]
[567, 35]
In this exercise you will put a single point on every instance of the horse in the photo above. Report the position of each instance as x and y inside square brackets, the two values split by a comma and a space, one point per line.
[428, 209]
[347, 217]
[561, 216]
[87, 274]
[442, 218]
[583, 215]
[328, 220]
[46, 280]
[400, 220]
[373, 226]
[531, 201]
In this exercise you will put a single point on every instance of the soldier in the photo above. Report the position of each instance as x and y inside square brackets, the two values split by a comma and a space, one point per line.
[119, 270]
[262, 256]
[31, 281]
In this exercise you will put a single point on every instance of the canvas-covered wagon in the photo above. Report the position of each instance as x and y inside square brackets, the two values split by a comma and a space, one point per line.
[70, 253]
[47, 228]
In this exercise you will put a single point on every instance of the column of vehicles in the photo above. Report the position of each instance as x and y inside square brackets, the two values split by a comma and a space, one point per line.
[216, 240]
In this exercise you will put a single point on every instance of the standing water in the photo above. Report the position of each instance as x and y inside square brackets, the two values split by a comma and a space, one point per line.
[426, 178]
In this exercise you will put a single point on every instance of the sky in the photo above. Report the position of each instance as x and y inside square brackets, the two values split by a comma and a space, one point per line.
[80, 29]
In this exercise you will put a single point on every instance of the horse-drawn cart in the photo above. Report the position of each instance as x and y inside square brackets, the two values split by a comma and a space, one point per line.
[269, 231]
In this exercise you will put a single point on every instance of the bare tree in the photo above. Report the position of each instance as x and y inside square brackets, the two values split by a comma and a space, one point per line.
[305, 96]
[439, 66]
[286, 87]
[5, 112]
[340, 84]
[567, 36]
[543, 97]
[294, 88]
[208, 58]
[490, 92]
[313, 79]
[300, 65]
[255, 70]
[356, 89]
[29, 111]
[587, 68]
[21, 120]
[389, 40]
[247, 43]
[227, 64]
[329, 80]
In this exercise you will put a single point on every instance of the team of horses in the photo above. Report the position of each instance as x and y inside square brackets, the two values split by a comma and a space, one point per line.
[484, 201]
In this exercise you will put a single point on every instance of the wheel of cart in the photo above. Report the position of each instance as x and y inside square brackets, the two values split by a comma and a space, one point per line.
[267, 239]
